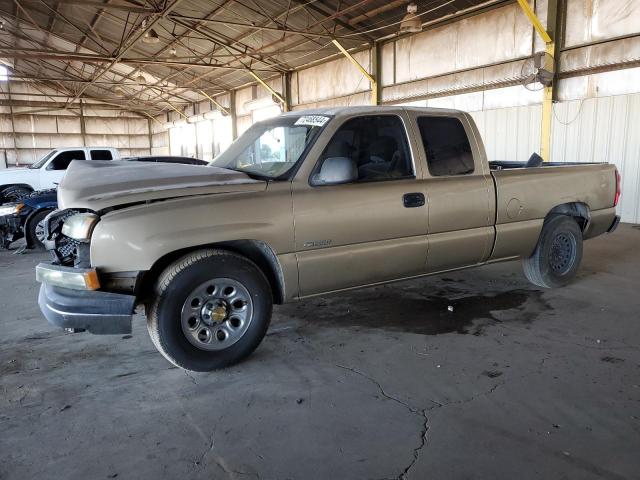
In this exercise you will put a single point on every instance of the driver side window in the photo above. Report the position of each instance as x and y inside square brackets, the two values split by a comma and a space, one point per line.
[62, 161]
[365, 149]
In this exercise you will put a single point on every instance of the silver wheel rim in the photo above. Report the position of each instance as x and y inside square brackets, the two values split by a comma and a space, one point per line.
[39, 231]
[216, 314]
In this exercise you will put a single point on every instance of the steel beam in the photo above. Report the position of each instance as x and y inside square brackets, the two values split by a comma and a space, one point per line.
[215, 102]
[372, 80]
[83, 126]
[285, 107]
[302, 33]
[166, 11]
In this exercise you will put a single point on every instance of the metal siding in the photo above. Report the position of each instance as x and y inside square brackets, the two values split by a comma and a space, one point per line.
[601, 130]
[510, 133]
[590, 130]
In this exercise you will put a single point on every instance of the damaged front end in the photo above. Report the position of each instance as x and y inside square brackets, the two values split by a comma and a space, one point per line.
[66, 250]
[10, 224]
[72, 295]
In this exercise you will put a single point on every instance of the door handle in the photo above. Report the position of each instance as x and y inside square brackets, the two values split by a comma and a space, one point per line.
[412, 200]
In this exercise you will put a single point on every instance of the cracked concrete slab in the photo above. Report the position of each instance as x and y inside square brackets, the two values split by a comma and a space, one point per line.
[388, 382]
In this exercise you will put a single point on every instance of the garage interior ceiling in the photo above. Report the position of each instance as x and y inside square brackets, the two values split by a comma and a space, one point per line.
[153, 56]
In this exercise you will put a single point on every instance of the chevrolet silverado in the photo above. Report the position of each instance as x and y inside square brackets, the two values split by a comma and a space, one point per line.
[305, 204]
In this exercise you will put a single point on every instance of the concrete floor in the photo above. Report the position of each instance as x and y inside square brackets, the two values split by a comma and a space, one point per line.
[516, 382]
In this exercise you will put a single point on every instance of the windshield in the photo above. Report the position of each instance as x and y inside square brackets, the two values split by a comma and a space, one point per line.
[272, 148]
[43, 160]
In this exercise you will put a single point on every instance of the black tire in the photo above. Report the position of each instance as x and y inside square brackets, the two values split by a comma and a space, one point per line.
[177, 284]
[31, 228]
[557, 257]
[13, 194]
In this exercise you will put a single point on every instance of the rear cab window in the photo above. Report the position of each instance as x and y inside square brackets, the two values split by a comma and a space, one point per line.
[101, 154]
[446, 146]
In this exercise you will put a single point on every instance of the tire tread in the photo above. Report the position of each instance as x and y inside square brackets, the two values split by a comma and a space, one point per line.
[532, 265]
[163, 282]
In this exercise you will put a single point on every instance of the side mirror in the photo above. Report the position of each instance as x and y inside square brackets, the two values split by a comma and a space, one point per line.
[336, 170]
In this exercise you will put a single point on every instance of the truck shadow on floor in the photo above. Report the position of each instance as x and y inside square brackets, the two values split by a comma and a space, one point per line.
[409, 310]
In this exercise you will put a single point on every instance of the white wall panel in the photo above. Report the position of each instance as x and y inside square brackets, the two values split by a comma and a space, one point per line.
[593, 20]
[69, 125]
[510, 133]
[499, 35]
[5, 124]
[357, 99]
[243, 96]
[338, 78]
[603, 130]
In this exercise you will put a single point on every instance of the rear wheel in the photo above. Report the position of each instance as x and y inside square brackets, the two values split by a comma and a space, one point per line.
[210, 310]
[558, 254]
[34, 230]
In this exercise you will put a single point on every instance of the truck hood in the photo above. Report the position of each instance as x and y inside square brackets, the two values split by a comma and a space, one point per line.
[97, 185]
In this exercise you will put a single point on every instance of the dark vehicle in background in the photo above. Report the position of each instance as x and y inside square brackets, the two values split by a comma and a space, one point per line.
[24, 218]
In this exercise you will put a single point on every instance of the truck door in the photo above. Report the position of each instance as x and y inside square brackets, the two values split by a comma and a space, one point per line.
[369, 226]
[459, 192]
[53, 172]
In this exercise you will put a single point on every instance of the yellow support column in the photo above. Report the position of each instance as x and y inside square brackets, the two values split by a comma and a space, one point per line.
[547, 101]
[372, 80]
[547, 112]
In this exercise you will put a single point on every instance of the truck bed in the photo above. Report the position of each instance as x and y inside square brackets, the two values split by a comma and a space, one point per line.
[525, 196]
[506, 164]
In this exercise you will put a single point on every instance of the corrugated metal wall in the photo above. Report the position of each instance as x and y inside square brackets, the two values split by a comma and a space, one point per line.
[603, 130]
[590, 130]
[510, 133]
[36, 134]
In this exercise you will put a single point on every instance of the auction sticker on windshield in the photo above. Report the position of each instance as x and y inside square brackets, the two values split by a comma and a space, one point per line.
[312, 120]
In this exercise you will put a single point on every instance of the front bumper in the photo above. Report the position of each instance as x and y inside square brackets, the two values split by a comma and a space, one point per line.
[92, 310]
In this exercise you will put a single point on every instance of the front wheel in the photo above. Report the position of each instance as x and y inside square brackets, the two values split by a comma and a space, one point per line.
[34, 230]
[557, 257]
[211, 309]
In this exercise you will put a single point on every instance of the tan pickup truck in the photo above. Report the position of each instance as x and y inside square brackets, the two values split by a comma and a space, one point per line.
[305, 204]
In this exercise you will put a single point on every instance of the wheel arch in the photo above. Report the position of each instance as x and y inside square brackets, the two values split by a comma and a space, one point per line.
[4, 188]
[257, 251]
[578, 210]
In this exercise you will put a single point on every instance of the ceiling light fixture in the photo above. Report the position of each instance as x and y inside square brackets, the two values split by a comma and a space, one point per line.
[411, 22]
[141, 79]
[119, 91]
[151, 37]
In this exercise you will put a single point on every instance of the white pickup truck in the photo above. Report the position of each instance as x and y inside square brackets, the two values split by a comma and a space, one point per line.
[48, 171]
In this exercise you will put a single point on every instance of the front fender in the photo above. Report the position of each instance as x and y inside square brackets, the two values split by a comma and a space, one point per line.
[133, 239]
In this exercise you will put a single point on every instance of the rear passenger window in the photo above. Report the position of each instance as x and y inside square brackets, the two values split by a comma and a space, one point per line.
[446, 145]
[376, 147]
[62, 161]
[101, 155]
